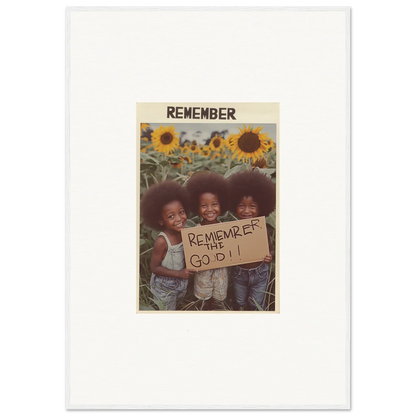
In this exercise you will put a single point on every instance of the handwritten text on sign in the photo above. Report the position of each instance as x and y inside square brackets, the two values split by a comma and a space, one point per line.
[225, 244]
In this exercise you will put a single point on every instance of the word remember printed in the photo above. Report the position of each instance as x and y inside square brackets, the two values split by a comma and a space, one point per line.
[201, 113]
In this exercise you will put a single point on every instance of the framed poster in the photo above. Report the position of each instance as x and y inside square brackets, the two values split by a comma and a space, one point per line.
[228, 150]
[167, 131]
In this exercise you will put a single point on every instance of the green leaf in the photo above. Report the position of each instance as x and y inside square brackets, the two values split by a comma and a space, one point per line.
[145, 156]
[257, 305]
[190, 223]
[146, 308]
[271, 219]
[160, 304]
[155, 234]
[142, 241]
[227, 217]
[146, 166]
[267, 172]
[236, 169]
[180, 176]
[144, 252]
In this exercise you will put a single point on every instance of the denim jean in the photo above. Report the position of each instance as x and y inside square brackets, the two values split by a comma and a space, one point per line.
[250, 285]
[168, 291]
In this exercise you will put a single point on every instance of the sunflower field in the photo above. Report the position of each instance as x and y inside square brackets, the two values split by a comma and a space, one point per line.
[163, 156]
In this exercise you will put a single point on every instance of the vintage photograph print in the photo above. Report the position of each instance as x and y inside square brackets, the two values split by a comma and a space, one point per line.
[207, 208]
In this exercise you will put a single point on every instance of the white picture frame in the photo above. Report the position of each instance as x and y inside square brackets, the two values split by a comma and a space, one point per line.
[298, 359]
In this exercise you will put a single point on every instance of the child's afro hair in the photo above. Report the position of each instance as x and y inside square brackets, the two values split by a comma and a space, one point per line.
[203, 182]
[157, 196]
[255, 184]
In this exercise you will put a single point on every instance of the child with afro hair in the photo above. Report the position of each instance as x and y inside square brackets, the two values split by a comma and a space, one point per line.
[164, 207]
[208, 198]
[251, 194]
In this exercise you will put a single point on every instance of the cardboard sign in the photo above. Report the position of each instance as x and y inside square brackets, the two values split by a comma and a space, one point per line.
[225, 244]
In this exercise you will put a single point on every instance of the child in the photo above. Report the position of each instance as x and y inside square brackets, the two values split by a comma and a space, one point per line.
[164, 207]
[208, 196]
[251, 194]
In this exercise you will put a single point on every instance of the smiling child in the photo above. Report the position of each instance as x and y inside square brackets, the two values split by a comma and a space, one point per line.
[208, 196]
[163, 208]
[251, 194]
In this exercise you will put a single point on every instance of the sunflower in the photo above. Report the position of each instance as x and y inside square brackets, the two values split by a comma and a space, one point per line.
[206, 151]
[177, 165]
[185, 150]
[144, 126]
[165, 139]
[216, 143]
[259, 163]
[145, 148]
[215, 155]
[271, 145]
[187, 158]
[228, 141]
[194, 149]
[249, 143]
[145, 139]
